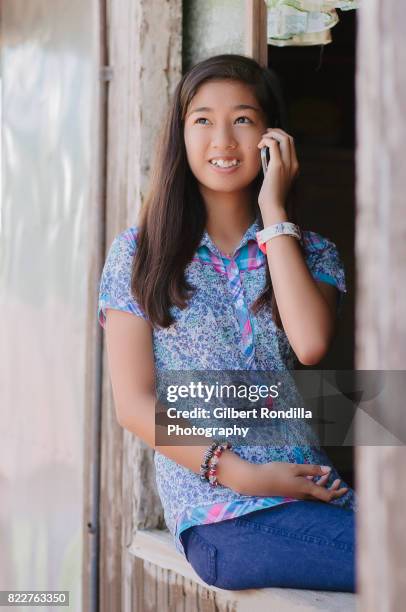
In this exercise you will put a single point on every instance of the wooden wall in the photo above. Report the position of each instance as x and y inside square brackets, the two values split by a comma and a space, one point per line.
[381, 292]
[129, 499]
[143, 51]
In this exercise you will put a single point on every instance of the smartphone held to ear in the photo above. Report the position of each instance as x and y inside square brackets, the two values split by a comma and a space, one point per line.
[265, 158]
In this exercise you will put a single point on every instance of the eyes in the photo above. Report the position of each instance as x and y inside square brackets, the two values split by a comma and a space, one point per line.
[242, 117]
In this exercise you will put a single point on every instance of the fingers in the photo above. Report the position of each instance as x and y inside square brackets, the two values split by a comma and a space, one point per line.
[294, 160]
[279, 146]
[304, 469]
[336, 484]
[317, 492]
[322, 480]
[335, 494]
[274, 150]
[287, 147]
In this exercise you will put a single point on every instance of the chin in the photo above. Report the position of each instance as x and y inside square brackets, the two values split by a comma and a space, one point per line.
[227, 183]
[220, 187]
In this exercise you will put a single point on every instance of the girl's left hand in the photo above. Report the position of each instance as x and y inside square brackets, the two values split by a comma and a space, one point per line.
[283, 168]
[324, 479]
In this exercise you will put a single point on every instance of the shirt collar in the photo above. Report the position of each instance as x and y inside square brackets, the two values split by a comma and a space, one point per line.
[250, 234]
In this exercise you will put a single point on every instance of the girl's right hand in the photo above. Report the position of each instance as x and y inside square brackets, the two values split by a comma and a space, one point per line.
[295, 480]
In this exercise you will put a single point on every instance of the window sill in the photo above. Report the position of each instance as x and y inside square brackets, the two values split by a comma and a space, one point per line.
[156, 546]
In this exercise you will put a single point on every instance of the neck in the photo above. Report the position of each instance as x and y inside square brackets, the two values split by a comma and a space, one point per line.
[229, 215]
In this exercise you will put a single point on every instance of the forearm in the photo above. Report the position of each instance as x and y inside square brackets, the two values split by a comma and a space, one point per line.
[305, 314]
[232, 471]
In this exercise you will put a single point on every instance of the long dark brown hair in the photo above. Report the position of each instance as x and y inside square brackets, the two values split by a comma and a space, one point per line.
[173, 217]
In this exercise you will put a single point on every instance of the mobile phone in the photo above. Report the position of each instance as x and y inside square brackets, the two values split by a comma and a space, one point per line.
[265, 158]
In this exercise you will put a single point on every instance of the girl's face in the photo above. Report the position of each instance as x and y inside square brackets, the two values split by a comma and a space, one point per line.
[224, 121]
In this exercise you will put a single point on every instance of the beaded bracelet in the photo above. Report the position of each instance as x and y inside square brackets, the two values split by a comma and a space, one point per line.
[212, 461]
[208, 453]
[212, 471]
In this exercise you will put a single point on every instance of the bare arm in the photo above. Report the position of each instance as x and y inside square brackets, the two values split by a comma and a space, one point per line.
[132, 373]
[307, 307]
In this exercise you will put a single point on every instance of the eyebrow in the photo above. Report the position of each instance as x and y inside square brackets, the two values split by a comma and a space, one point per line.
[238, 107]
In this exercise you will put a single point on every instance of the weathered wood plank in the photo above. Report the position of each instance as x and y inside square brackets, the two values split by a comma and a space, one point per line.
[381, 294]
[191, 598]
[150, 587]
[207, 599]
[162, 597]
[143, 75]
[176, 593]
[256, 42]
[137, 587]
[94, 334]
[110, 505]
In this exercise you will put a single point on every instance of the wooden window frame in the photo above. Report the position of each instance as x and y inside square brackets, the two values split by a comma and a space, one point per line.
[256, 38]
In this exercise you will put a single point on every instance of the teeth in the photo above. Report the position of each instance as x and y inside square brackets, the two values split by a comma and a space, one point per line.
[224, 163]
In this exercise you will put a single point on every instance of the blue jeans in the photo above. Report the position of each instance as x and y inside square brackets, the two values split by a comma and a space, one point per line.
[300, 545]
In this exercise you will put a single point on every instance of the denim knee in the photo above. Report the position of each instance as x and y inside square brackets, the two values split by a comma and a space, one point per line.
[202, 555]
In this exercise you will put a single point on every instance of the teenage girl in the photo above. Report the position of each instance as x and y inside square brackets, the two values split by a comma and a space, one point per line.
[190, 289]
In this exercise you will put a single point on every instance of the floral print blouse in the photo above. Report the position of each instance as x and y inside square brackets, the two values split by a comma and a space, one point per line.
[217, 331]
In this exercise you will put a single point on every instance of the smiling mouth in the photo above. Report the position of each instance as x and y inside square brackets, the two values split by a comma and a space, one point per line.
[225, 165]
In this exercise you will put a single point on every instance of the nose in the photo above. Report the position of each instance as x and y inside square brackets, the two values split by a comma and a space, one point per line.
[224, 138]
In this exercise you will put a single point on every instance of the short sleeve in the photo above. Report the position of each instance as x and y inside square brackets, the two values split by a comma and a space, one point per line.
[324, 263]
[115, 282]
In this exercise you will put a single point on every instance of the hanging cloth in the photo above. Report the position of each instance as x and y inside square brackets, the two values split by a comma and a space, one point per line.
[303, 22]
